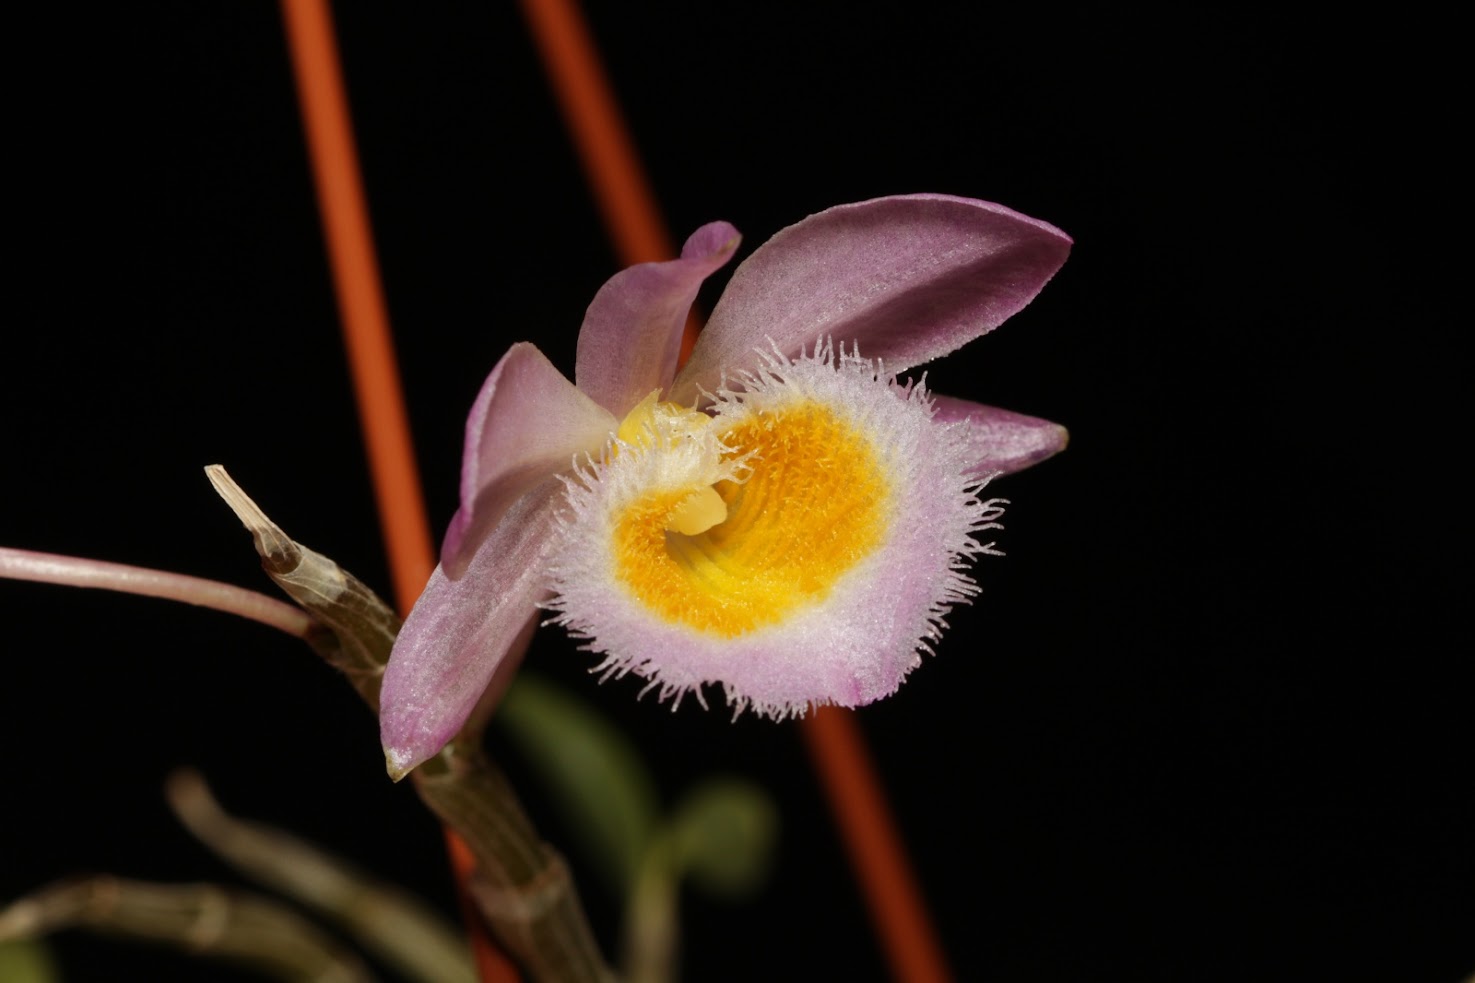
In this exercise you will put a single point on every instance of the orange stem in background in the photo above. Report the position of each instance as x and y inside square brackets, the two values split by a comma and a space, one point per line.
[833, 738]
[371, 360]
[877, 853]
[621, 192]
[366, 335]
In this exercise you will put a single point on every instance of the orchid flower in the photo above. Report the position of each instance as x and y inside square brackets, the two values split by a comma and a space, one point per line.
[782, 515]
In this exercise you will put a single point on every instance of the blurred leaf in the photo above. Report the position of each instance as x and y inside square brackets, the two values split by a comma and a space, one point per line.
[594, 776]
[725, 830]
[26, 961]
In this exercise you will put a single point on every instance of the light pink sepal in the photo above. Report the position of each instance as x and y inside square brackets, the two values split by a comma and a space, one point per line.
[632, 332]
[1001, 441]
[908, 278]
[460, 632]
[528, 422]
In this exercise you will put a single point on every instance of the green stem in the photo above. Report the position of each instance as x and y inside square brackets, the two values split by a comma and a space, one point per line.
[521, 885]
[651, 920]
[395, 926]
[199, 918]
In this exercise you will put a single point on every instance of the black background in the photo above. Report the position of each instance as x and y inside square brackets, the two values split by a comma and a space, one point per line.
[1208, 720]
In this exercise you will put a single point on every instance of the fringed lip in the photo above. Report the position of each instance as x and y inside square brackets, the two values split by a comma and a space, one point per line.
[848, 642]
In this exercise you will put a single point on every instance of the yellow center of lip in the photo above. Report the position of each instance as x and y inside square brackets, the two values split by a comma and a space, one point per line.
[735, 556]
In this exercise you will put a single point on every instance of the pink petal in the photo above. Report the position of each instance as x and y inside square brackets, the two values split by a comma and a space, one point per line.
[909, 278]
[632, 332]
[527, 423]
[1001, 441]
[460, 632]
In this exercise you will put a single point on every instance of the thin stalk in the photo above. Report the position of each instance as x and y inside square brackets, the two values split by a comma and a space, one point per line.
[73, 571]
[369, 345]
[233, 926]
[395, 926]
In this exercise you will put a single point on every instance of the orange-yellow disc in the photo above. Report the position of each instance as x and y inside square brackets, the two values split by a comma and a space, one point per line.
[814, 504]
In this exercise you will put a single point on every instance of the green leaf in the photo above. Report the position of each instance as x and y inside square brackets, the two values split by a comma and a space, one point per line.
[596, 780]
[26, 961]
[725, 830]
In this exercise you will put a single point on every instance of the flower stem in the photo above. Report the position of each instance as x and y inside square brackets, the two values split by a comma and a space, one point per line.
[652, 923]
[395, 926]
[520, 884]
[203, 919]
[72, 571]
